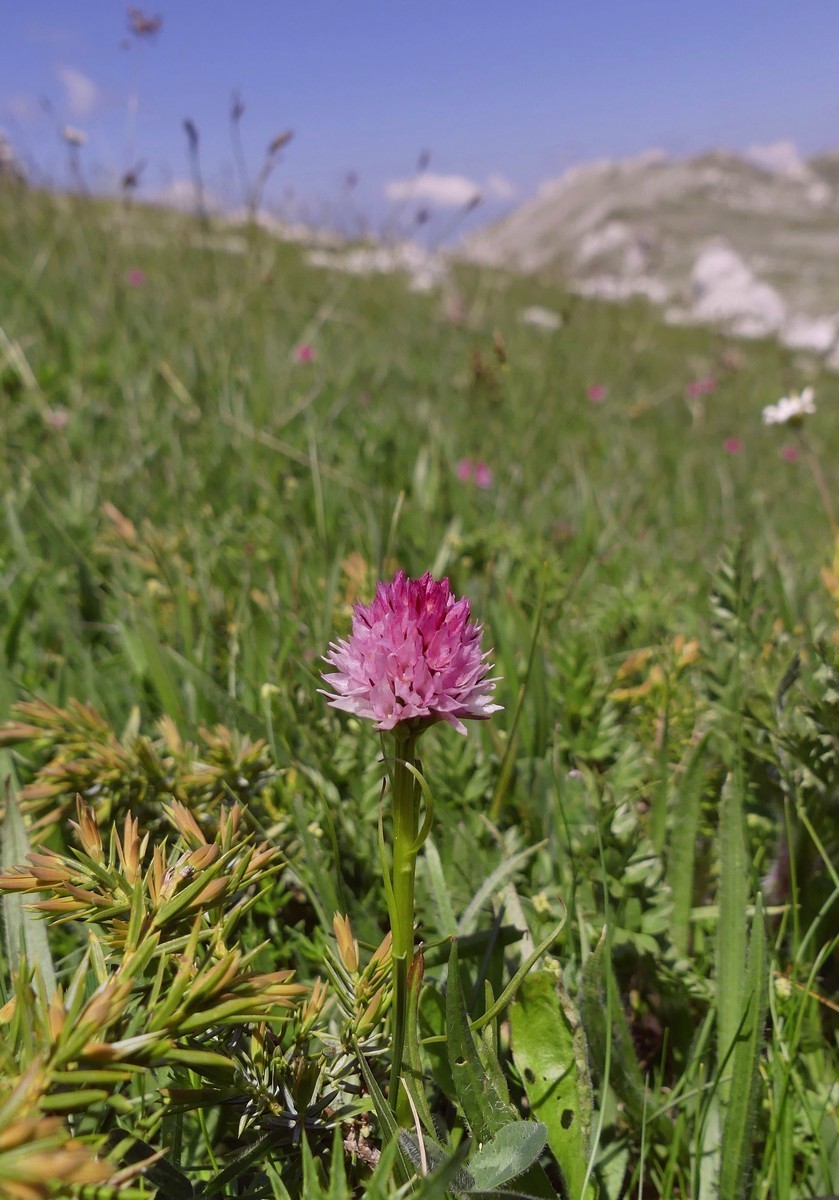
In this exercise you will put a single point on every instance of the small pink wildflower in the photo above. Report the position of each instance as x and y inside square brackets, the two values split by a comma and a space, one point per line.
[413, 657]
[597, 393]
[701, 387]
[478, 472]
[57, 418]
[789, 454]
[304, 353]
[136, 277]
[732, 445]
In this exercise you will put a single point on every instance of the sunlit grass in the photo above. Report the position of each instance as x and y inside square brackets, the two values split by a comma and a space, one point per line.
[189, 513]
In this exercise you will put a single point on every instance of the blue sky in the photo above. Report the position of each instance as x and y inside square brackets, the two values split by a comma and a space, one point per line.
[502, 95]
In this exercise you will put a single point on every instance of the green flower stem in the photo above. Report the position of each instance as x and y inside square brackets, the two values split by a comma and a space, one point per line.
[406, 805]
[820, 481]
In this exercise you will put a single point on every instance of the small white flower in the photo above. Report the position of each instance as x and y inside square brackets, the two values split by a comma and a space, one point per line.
[73, 136]
[790, 408]
[540, 318]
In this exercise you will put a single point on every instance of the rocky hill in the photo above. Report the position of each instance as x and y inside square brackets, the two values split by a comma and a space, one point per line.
[747, 241]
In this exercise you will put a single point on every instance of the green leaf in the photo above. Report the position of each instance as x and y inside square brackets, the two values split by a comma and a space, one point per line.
[255, 1152]
[484, 1108]
[493, 884]
[313, 1182]
[433, 1014]
[26, 933]
[681, 854]
[549, 1050]
[379, 1186]
[445, 1170]
[743, 1097]
[515, 983]
[25, 606]
[76, 1101]
[387, 1121]
[731, 926]
[514, 1149]
[604, 1023]
[146, 654]
[414, 1076]
[446, 920]
[505, 771]
[128, 1150]
[338, 1189]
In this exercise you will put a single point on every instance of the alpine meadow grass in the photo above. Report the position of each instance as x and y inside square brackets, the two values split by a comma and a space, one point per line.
[619, 975]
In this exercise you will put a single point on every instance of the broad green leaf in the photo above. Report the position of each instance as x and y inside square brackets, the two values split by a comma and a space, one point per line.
[513, 1150]
[484, 1108]
[438, 1168]
[549, 1050]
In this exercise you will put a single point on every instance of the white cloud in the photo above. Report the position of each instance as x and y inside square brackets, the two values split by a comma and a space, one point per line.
[449, 191]
[180, 193]
[81, 92]
[499, 187]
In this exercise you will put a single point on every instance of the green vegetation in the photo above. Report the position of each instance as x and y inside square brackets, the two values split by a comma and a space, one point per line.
[188, 515]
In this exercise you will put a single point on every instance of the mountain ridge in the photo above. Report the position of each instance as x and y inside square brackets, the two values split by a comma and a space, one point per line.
[747, 241]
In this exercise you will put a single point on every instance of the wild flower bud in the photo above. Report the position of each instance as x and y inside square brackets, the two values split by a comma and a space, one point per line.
[347, 945]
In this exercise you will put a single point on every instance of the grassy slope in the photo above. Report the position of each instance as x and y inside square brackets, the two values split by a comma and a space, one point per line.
[250, 479]
[390, 406]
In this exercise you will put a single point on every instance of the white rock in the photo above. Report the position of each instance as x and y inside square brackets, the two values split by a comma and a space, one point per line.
[613, 287]
[726, 290]
[809, 333]
[613, 236]
[779, 158]
[425, 271]
[819, 193]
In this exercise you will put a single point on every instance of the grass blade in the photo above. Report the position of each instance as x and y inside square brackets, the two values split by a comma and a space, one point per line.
[731, 927]
[26, 933]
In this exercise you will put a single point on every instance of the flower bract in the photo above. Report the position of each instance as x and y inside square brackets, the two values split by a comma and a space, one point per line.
[413, 657]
